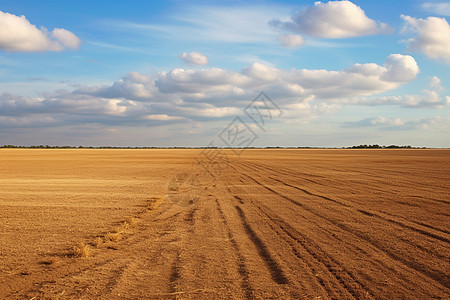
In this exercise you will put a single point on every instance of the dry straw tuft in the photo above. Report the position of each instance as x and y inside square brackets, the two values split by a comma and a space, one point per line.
[98, 242]
[113, 236]
[81, 250]
[131, 220]
[119, 229]
[154, 203]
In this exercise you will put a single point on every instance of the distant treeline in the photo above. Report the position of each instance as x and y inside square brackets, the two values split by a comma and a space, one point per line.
[272, 147]
[79, 147]
[381, 147]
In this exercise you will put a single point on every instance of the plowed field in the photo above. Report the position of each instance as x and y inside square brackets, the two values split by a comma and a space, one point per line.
[276, 224]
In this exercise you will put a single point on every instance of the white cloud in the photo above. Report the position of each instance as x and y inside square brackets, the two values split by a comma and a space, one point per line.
[63, 103]
[304, 112]
[433, 37]
[429, 98]
[198, 84]
[261, 72]
[437, 8]
[400, 68]
[17, 34]
[27, 121]
[134, 86]
[66, 38]
[215, 84]
[384, 123]
[334, 19]
[194, 58]
[358, 80]
[291, 41]
[436, 83]
[186, 95]
[162, 117]
[210, 111]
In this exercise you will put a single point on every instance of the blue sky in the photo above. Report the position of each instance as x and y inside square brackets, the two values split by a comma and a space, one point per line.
[176, 73]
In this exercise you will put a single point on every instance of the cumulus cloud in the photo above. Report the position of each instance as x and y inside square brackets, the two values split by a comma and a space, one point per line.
[305, 112]
[436, 83]
[214, 84]
[134, 85]
[262, 72]
[358, 80]
[437, 8]
[17, 34]
[432, 36]
[429, 98]
[66, 38]
[291, 41]
[334, 19]
[186, 95]
[61, 103]
[200, 84]
[400, 68]
[194, 58]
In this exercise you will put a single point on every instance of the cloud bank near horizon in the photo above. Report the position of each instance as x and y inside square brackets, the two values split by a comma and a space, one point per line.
[192, 95]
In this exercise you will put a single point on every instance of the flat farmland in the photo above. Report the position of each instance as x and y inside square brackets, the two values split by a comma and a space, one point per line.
[272, 224]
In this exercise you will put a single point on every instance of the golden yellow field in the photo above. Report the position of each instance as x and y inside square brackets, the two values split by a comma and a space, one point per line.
[277, 224]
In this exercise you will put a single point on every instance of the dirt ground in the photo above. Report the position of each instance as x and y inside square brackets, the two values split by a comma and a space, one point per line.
[272, 224]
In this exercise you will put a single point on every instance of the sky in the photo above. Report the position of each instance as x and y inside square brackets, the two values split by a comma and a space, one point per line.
[191, 73]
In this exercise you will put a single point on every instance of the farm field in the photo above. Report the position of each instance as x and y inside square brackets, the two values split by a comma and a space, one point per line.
[276, 224]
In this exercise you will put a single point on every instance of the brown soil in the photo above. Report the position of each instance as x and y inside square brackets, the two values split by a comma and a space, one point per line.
[278, 224]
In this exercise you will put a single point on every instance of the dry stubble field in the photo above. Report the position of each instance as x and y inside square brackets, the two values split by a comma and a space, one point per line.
[279, 224]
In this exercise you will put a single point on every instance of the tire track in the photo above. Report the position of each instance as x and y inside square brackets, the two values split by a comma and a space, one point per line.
[274, 268]
[175, 274]
[424, 232]
[263, 167]
[381, 182]
[361, 289]
[371, 214]
[113, 281]
[342, 277]
[345, 279]
[242, 268]
[433, 274]
[309, 193]
[190, 216]
[432, 227]
[239, 199]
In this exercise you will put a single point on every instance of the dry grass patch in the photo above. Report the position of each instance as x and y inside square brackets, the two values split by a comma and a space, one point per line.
[154, 202]
[113, 236]
[119, 229]
[81, 250]
[131, 220]
[98, 242]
